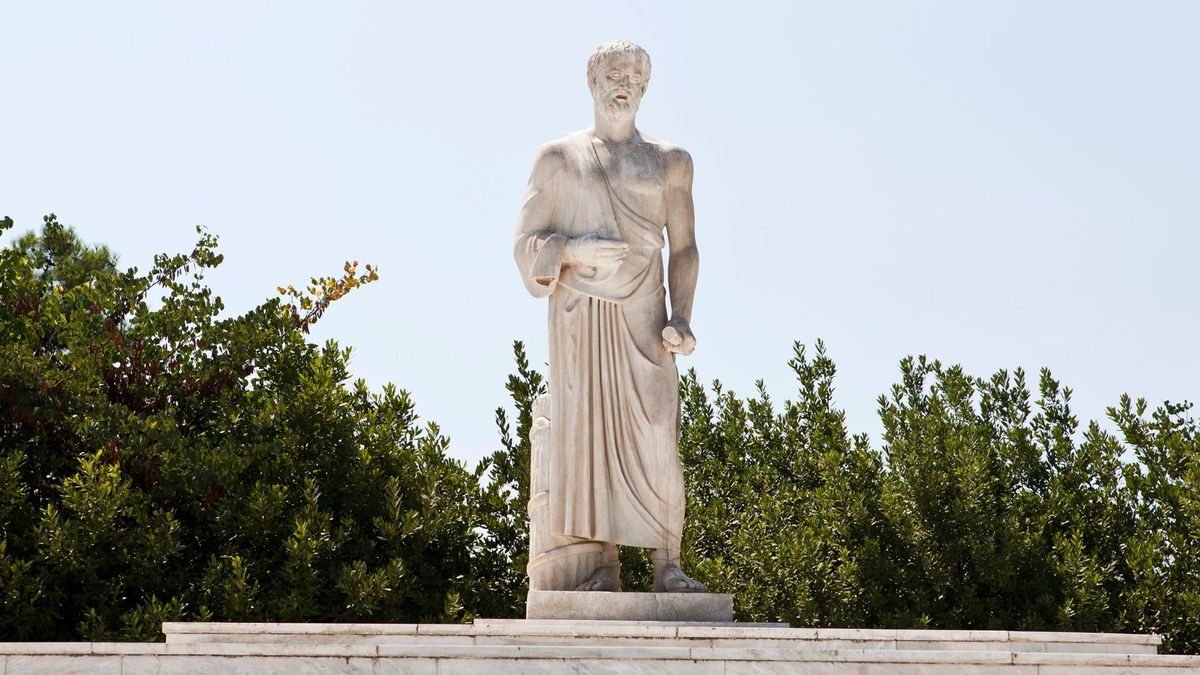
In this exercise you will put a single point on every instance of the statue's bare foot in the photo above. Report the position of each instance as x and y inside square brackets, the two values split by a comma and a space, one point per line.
[604, 579]
[671, 579]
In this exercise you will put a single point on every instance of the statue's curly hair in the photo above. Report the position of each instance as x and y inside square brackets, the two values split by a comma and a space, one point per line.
[609, 48]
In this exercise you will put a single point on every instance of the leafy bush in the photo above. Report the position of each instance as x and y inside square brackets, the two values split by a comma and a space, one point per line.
[984, 509]
[160, 462]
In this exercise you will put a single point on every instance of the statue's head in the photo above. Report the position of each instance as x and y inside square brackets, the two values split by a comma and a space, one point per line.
[618, 73]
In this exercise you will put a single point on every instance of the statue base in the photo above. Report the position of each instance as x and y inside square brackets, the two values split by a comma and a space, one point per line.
[601, 606]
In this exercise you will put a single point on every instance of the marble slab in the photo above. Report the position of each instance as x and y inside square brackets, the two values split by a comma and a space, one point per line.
[629, 606]
[563, 647]
[552, 632]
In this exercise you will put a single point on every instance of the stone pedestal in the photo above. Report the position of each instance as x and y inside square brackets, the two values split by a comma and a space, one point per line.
[592, 606]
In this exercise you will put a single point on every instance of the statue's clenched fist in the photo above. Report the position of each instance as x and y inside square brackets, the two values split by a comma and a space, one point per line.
[678, 338]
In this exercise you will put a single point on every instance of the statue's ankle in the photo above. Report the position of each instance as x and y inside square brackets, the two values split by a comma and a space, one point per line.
[664, 558]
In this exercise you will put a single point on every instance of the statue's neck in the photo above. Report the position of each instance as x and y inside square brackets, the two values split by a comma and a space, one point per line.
[613, 131]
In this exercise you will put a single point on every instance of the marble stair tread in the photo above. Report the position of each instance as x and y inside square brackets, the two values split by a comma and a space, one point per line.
[737, 629]
[517, 633]
[651, 653]
[749, 643]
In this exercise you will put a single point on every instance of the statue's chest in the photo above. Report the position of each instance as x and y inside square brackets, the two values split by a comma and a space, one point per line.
[638, 176]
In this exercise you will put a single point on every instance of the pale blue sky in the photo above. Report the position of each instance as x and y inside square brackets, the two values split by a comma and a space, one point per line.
[996, 184]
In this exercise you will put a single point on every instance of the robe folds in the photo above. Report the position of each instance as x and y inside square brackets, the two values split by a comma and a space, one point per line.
[614, 469]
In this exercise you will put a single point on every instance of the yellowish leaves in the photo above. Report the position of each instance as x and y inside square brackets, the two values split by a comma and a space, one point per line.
[306, 307]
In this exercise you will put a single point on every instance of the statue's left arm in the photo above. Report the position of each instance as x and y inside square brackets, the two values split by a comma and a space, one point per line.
[684, 261]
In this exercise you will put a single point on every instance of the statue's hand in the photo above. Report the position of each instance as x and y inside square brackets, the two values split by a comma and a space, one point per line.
[678, 338]
[593, 251]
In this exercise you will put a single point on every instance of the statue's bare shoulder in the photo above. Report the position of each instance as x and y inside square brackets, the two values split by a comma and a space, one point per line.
[676, 160]
[551, 158]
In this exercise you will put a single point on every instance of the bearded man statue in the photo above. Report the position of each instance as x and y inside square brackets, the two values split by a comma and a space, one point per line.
[600, 206]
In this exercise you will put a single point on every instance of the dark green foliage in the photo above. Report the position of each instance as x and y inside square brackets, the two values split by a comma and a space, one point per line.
[161, 462]
[783, 506]
[983, 509]
[504, 499]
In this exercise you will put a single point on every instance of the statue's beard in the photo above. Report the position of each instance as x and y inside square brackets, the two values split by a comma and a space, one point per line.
[619, 111]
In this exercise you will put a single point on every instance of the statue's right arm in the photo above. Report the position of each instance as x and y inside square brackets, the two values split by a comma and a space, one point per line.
[539, 248]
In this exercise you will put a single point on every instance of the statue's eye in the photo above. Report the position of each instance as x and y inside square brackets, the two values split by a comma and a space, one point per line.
[636, 78]
[615, 74]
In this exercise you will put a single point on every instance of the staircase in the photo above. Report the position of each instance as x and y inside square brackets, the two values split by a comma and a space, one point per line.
[554, 646]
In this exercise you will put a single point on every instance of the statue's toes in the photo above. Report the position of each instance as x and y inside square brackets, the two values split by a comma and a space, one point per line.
[598, 584]
[689, 585]
[678, 582]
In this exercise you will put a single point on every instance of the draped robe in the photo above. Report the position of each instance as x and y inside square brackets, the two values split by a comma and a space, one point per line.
[614, 473]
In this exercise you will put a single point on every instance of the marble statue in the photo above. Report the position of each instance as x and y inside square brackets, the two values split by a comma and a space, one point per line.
[600, 206]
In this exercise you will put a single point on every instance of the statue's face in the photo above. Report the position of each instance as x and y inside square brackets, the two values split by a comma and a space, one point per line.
[619, 88]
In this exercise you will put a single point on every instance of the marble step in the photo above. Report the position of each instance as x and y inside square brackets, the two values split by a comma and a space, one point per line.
[295, 659]
[547, 633]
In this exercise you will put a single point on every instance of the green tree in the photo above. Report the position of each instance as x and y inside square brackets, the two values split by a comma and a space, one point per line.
[1162, 593]
[163, 461]
[504, 499]
[984, 508]
[784, 505]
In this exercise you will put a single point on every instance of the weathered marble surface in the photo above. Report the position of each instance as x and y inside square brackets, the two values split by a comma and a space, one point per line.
[600, 207]
[571, 605]
[497, 646]
[663, 633]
